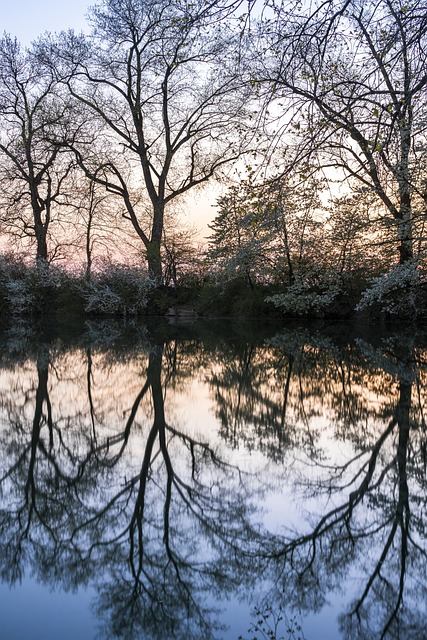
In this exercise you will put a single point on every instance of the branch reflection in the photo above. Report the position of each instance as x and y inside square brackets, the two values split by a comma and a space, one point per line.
[372, 538]
[110, 477]
[154, 516]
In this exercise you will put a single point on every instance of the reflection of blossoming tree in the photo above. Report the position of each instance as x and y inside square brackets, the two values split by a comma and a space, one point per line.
[377, 520]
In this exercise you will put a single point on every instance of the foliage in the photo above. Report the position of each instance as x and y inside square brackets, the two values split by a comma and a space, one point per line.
[27, 289]
[123, 290]
[349, 79]
[263, 231]
[223, 295]
[310, 294]
[117, 289]
[394, 292]
[183, 261]
[322, 109]
[238, 241]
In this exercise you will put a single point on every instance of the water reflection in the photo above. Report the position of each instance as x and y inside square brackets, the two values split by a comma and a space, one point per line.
[175, 470]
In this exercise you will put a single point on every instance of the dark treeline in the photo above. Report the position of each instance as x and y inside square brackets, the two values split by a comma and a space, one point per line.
[312, 119]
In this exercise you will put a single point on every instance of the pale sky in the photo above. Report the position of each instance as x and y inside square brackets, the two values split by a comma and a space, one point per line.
[28, 19]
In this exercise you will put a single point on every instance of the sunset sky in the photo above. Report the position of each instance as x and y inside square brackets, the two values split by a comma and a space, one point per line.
[28, 19]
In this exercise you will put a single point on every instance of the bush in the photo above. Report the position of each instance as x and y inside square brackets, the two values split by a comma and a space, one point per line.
[27, 289]
[311, 294]
[117, 289]
[394, 293]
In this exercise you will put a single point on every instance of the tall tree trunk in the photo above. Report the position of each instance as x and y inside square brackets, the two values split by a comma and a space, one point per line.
[154, 260]
[41, 240]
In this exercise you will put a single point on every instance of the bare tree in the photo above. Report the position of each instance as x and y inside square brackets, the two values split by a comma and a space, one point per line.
[34, 169]
[162, 79]
[355, 73]
[95, 235]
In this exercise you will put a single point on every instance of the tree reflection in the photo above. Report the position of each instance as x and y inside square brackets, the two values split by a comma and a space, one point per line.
[102, 482]
[252, 388]
[28, 483]
[155, 539]
[376, 523]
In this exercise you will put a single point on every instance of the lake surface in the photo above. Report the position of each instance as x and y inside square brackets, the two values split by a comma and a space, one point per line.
[212, 481]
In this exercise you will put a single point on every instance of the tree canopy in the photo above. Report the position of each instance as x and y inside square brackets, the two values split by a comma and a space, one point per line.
[313, 117]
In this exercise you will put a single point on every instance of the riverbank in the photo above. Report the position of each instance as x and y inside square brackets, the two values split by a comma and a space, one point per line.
[119, 291]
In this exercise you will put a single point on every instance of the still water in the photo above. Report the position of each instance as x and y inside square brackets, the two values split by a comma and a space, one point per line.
[205, 481]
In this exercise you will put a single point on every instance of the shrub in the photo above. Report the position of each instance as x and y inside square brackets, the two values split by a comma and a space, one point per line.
[117, 289]
[393, 293]
[28, 289]
[310, 294]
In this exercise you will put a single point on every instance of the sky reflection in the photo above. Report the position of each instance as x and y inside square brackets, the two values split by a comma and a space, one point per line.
[173, 487]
